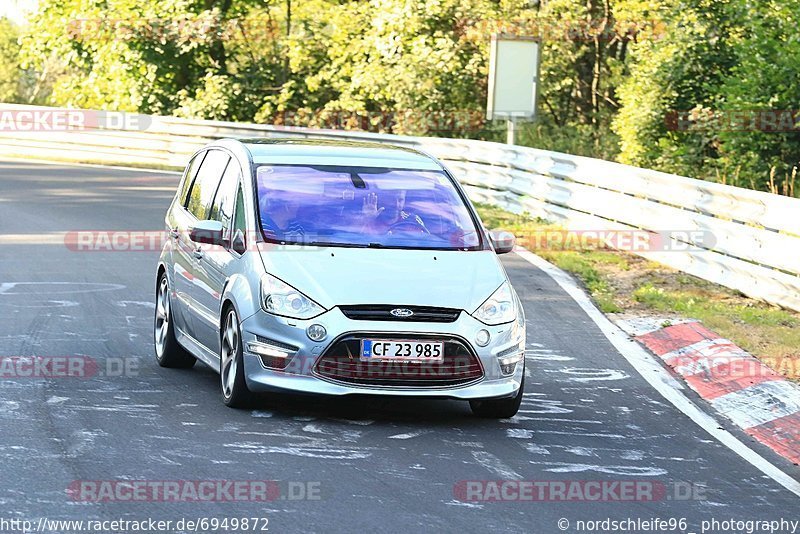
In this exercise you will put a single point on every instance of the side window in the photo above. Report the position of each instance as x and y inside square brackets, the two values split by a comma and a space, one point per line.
[188, 176]
[238, 241]
[222, 207]
[205, 185]
[240, 223]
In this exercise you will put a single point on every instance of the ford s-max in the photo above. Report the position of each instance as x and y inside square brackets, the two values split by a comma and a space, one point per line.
[336, 268]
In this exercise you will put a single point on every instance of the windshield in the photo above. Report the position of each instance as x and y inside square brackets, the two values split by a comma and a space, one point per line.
[362, 206]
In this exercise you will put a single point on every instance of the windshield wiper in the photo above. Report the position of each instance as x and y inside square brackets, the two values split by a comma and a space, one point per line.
[334, 244]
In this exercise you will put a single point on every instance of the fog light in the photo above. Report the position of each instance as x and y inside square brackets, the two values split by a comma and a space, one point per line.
[316, 332]
[482, 339]
[509, 358]
[508, 369]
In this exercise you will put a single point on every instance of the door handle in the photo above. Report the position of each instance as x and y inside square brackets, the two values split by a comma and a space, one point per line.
[198, 253]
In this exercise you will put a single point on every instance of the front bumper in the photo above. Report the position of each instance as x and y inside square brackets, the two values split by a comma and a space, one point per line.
[300, 375]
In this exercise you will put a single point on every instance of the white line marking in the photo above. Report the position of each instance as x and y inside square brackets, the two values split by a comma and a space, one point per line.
[582, 451]
[48, 238]
[408, 435]
[12, 160]
[519, 433]
[583, 434]
[652, 371]
[591, 375]
[464, 504]
[126, 303]
[325, 453]
[536, 449]
[48, 304]
[47, 289]
[624, 470]
[544, 406]
[493, 464]
[546, 356]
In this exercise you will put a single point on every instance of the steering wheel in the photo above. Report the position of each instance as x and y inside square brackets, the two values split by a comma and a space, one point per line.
[408, 225]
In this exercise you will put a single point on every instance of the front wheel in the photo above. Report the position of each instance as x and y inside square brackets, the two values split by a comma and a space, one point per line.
[234, 388]
[169, 352]
[499, 408]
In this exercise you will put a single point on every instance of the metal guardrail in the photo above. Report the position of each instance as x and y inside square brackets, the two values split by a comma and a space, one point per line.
[749, 240]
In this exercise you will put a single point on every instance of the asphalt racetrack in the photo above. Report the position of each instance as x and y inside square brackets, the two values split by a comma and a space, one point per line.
[341, 465]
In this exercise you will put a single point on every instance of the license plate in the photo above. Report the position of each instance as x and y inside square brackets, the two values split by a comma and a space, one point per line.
[401, 350]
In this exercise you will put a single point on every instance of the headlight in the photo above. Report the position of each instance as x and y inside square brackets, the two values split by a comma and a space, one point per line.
[282, 299]
[500, 308]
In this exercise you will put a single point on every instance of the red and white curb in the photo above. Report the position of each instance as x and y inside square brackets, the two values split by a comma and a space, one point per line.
[757, 399]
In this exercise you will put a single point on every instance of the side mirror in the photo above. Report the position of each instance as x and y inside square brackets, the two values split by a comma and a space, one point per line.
[208, 232]
[503, 242]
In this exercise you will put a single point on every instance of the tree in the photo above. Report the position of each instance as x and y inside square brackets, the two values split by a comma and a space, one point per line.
[9, 62]
[760, 147]
[699, 101]
[389, 65]
[196, 58]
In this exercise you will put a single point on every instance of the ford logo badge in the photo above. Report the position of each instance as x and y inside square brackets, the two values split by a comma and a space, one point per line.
[402, 312]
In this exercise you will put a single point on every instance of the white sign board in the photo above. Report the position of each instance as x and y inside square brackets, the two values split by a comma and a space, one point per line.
[513, 78]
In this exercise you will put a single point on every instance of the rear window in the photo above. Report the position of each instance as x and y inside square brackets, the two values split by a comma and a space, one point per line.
[188, 176]
[357, 206]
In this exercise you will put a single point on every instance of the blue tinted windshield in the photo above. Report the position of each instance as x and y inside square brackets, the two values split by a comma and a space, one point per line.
[357, 206]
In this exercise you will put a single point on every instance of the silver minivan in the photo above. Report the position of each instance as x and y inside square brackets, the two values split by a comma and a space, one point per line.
[336, 268]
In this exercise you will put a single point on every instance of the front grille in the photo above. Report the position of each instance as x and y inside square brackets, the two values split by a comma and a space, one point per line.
[383, 312]
[341, 362]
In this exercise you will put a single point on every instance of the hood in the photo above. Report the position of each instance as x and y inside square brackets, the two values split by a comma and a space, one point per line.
[334, 276]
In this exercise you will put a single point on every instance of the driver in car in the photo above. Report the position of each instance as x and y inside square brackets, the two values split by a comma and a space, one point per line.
[391, 215]
[279, 219]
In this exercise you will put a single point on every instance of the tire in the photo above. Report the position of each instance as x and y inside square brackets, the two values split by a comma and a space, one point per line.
[231, 369]
[499, 408]
[169, 352]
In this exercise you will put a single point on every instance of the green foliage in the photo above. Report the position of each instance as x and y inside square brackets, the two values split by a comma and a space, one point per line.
[386, 65]
[402, 66]
[672, 75]
[765, 78]
[721, 69]
[615, 74]
[9, 62]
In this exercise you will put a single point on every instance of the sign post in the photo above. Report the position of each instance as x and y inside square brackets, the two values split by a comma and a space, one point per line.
[513, 80]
